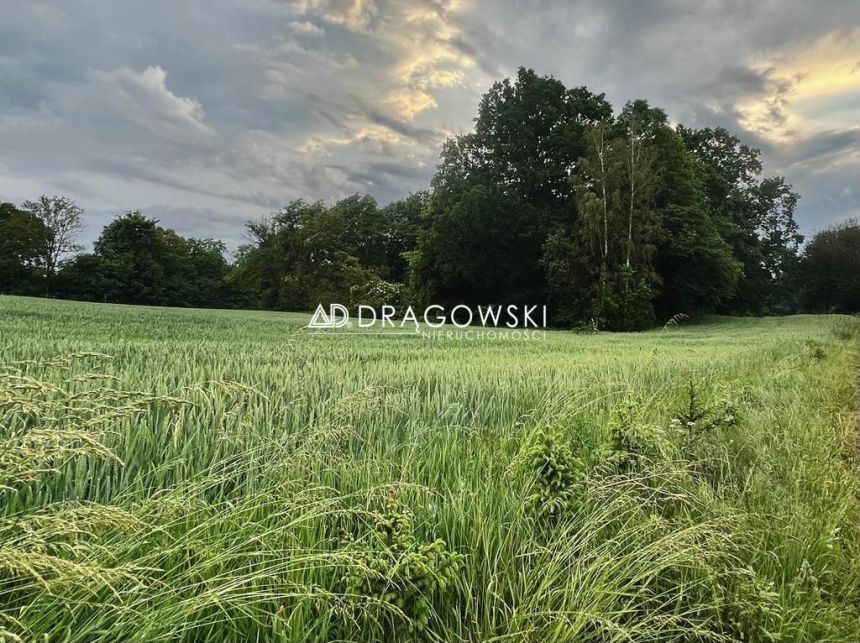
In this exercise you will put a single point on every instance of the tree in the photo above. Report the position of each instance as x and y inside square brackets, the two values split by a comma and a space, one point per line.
[500, 191]
[696, 269]
[205, 270]
[89, 278]
[829, 273]
[529, 135]
[642, 243]
[264, 264]
[616, 229]
[404, 220]
[596, 186]
[307, 254]
[62, 217]
[639, 122]
[574, 279]
[578, 259]
[779, 235]
[134, 255]
[136, 261]
[482, 247]
[754, 216]
[551, 198]
[22, 240]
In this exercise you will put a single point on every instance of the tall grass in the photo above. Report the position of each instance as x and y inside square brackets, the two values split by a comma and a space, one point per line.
[223, 476]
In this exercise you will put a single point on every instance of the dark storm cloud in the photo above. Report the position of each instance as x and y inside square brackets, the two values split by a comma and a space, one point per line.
[206, 117]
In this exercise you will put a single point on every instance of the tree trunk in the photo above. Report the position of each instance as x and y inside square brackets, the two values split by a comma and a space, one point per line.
[601, 157]
[632, 161]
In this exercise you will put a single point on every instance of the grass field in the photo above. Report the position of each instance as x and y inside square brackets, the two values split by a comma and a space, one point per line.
[225, 476]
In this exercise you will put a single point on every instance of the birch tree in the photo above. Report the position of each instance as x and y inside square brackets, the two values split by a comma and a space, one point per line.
[639, 121]
[594, 187]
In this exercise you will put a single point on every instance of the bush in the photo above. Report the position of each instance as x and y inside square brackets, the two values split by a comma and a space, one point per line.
[558, 477]
[630, 441]
[395, 576]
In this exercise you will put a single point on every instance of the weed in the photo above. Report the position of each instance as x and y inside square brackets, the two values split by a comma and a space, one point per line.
[752, 610]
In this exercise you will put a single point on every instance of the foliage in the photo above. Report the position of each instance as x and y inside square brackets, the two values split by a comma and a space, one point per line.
[622, 214]
[558, 477]
[137, 261]
[307, 254]
[395, 577]
[23, 238]
[698, 417]
[754, 216]
[473, 240]
[553, 198]
[501, 190]
[829, 273]
[62, 218]
[631, 442]
[376, 293]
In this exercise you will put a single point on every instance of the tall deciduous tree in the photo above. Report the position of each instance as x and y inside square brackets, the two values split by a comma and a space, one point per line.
[638, 122]
[62, 217]
[754, 216]
[695, 267]
[501, 190]
[307, 254]
[23, 238]
[829, 273]
[596, 184]
[136, 261]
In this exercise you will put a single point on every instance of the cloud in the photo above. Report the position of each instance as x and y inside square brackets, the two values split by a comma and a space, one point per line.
[143, 95]
[209, 118]
[352, 14]
[144, 120]
[810, 87]
[305, 27]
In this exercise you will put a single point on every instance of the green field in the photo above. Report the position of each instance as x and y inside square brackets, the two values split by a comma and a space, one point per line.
[226, 476]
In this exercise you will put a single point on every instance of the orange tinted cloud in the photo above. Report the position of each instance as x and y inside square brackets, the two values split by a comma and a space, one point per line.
[811, 88]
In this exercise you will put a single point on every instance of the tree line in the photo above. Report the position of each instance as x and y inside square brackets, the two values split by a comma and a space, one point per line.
[614, 220]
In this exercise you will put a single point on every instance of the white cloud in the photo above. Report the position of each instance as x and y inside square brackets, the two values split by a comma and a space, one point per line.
[305, 27]
[109, 116]
[355, 15]
[138, 97]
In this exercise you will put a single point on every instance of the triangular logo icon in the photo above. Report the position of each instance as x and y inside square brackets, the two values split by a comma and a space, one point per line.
[320, 319]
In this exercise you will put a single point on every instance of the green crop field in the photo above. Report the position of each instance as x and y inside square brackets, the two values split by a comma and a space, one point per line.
[199, 475]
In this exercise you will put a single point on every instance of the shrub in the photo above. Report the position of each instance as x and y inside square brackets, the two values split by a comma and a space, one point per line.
[630, 441]
[395, 576]
[697, 417]
[558, 477]
[376, 293]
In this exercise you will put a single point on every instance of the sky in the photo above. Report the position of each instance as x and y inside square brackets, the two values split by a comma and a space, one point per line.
[207, 114]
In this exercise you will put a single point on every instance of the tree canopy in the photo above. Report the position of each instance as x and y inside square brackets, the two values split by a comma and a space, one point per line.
[829, 275]
[614, 219]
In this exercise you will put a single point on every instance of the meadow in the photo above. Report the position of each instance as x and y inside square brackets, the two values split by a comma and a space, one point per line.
[189, 475]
